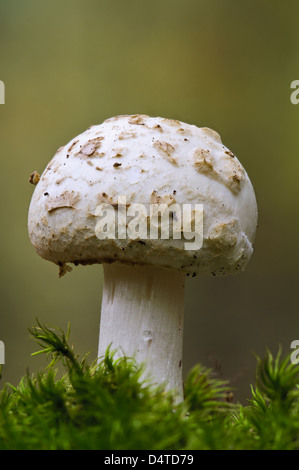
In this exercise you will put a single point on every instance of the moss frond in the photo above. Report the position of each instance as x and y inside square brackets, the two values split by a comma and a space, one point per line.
[106, 405]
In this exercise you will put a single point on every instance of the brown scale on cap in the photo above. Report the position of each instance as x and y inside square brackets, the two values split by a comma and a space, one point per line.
[232, 174]
[137, 119]
[67, 199]
[89, 149]
[34, 178]
[166, 150]
[165, 199]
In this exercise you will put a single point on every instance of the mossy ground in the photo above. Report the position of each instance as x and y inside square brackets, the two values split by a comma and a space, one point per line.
[106, 406]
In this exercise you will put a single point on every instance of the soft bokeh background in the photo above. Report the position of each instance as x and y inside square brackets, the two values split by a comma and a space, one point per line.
[227, 65]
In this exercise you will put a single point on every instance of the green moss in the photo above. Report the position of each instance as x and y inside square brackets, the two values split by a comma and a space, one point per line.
[106, 406]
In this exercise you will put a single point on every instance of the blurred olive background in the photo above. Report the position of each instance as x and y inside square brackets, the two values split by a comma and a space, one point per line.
[227, 65]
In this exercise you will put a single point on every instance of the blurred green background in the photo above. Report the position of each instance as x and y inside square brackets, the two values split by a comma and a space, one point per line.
[227, 65]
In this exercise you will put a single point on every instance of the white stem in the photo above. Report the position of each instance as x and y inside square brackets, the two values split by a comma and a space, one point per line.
[142, 316]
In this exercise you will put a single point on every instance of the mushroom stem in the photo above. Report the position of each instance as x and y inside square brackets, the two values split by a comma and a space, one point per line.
[143, 316]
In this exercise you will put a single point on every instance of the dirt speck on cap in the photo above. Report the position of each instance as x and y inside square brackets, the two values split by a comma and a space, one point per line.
[228, 152]
[104, 198]
[73, 144]
[118, 153]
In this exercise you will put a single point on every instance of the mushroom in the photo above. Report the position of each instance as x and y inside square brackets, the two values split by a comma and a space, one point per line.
[84, 208]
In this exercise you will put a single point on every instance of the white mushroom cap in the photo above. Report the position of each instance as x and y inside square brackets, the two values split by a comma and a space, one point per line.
[147, 160]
